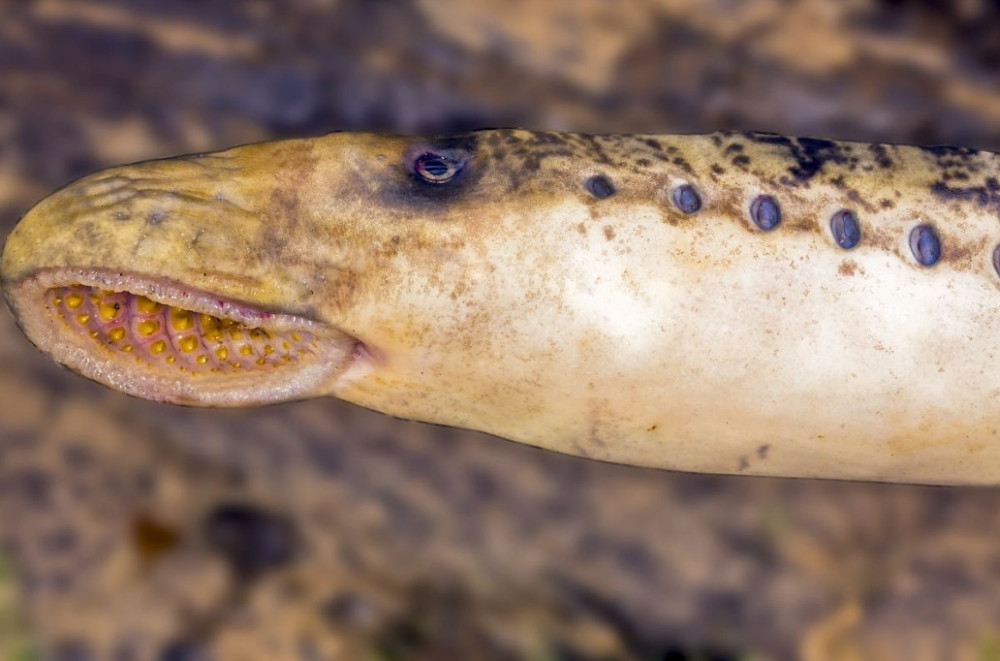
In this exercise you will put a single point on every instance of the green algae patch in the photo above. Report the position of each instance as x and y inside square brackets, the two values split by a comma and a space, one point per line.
[14, 639]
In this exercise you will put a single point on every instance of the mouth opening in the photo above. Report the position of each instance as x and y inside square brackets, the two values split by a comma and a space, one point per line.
[168, 337]
[166, 342]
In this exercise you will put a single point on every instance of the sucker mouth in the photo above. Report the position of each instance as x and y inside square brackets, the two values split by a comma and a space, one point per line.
[161, 340]
[163, 336]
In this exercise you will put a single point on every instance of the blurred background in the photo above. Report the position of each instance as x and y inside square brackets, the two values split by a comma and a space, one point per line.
[318, 531]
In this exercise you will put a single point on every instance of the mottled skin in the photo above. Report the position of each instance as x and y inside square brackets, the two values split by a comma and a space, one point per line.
[516, 301]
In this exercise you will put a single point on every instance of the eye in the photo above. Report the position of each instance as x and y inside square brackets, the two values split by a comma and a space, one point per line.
[437, 168]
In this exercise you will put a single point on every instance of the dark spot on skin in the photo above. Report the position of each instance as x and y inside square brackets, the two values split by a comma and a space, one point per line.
[741, 161]
[156, 217]
[609, 232]
[810, 154]
[683, 164]
[848, 267]
[744, 463]
[765, 212]
[718, 169]
[845, 229]
[925, 245]
[251, 539]
[599, 186]
[686, 198]
[643, 162]
[285, 210]
[596, 147]
[955, 175]
[581, 228]
[655, 144]
[768, 138]
[763, 450]
[881, 154]
[996, 259]
[856, 197]
[948, 150]
[986, 195]
[886, 203]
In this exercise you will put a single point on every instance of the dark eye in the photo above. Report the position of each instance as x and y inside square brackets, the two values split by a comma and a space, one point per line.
[436, 168]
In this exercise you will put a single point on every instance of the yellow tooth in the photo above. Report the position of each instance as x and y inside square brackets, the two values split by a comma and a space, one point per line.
[202, 359]
[208, 322]
[222, 353]
[158, 347]
[286, 346]
[246, 350]
[73, 301]
[295, 337]
[82, 318]
[171, 359]
[127, 348]
[268, 349]
[108, 311]
[260, 361]
[94, 299]
[94, 334]
[236, 334]
[148, 326]
[116, 334]
[180, 319]
[226, 323]
[287, 359]
[146, 306]
[188, 344]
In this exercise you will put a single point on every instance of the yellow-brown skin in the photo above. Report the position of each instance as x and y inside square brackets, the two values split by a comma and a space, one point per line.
[514, 300]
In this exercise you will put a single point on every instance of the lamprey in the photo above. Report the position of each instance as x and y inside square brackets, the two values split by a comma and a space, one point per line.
[735, 302]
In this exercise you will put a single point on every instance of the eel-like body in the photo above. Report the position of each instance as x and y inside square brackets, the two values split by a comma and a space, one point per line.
[733, 303]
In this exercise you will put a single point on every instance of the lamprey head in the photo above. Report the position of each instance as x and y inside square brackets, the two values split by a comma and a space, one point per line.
[429, 278]
[196, 280]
